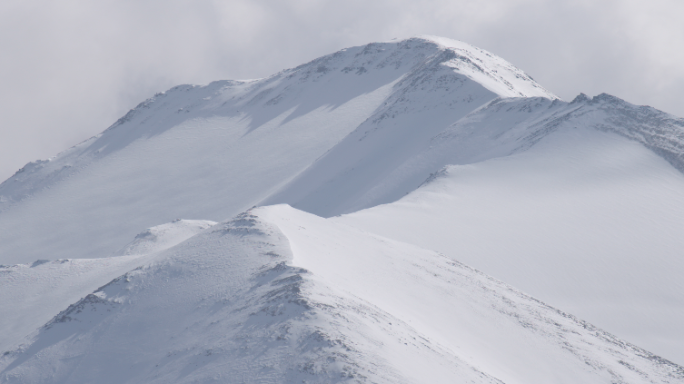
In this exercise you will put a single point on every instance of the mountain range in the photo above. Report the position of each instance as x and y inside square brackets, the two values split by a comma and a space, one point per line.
[358, 218]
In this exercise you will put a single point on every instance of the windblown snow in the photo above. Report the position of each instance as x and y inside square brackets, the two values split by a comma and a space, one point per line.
[383, 175]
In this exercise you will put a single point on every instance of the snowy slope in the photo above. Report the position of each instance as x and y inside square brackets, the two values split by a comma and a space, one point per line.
[372, 166]
[286, 296]
[32, 293]
[164, 236]
[617, 254]
[586, 220]
[427, 141]
[211, 152]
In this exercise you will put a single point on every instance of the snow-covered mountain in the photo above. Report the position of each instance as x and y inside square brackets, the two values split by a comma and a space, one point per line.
[212, 152]
[280, 295]
[435, 153]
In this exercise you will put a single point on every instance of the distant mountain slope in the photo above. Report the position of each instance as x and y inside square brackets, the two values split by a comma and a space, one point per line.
[586, 220]
[380, 164]
[288, 297]
[211, 152]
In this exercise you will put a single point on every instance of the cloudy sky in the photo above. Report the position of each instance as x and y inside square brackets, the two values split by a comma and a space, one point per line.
[70, 68]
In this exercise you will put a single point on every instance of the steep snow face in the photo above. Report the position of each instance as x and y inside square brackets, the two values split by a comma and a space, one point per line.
[210, 152]
[380, 163]
[286, 296]
[586, 220]
[375, 166]
[488, 324]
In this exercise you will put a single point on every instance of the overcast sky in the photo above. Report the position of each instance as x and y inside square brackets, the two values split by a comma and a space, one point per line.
[70, 68]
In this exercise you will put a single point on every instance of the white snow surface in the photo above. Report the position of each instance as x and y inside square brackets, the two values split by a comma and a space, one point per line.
[280, 295]
[375, 166]
[586, 220]
[164, 236]
[32, 294]
[212, 152]
[411, 157]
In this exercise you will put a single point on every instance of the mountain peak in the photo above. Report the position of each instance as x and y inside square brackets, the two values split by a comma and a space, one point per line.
[485, 68]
